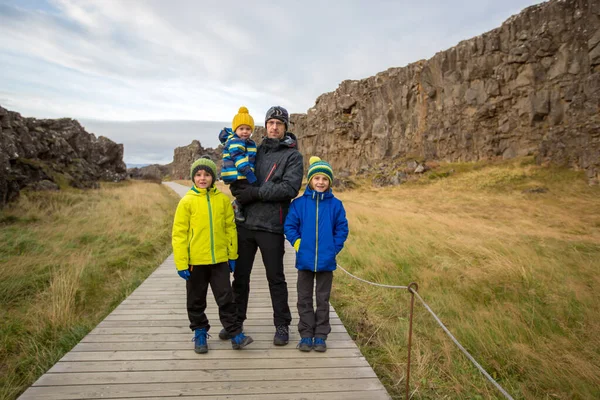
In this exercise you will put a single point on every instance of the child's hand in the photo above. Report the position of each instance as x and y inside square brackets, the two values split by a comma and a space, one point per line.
[232, 266]
[184, 273]
[297, 245]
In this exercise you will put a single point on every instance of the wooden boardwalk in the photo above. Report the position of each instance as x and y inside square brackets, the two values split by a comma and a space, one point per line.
[144, 350]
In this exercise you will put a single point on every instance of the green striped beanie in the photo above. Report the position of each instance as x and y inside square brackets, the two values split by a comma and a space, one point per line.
[206, 164]
[318, 166]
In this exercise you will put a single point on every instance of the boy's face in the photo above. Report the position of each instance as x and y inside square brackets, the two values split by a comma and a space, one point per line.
[275, 129]
[319, 183]
[243, 131]
[202, 179]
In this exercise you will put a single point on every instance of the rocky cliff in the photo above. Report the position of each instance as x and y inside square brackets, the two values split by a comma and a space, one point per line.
[529, 87]
[183, 157]
[49, 153]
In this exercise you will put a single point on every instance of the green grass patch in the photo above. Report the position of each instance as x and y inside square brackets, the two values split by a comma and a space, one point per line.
[103, 242]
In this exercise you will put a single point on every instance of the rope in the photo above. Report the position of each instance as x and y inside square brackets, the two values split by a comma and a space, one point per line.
[456, 342]
[469, 356]
[372, 283]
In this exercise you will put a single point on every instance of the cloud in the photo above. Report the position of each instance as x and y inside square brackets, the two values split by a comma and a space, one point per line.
[191, 60]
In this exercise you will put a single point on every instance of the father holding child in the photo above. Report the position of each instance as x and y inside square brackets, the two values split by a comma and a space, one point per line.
[279, 172]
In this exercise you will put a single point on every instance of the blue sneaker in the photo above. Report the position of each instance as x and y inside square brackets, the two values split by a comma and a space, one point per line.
[305, 344]
[200, 338]
[240, 341]
[320, 345]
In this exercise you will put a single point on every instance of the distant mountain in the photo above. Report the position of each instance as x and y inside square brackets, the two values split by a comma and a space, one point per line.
[136, 165]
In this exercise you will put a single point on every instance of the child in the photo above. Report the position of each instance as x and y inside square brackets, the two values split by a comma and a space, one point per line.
[239, 154]
[205, 249]
[317, 228]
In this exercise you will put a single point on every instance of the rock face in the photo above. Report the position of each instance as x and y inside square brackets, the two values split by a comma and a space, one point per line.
[48, 153]
[529, 87]
[183, 158]
[154, 172]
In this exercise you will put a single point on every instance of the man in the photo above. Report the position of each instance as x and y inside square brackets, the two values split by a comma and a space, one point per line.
[279, 170]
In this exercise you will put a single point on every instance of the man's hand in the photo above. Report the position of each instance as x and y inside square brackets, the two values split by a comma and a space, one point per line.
[232, 266]
[248, 195]
[184, 273]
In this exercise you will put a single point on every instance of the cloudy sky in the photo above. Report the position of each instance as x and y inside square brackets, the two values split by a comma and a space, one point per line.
[194, 60]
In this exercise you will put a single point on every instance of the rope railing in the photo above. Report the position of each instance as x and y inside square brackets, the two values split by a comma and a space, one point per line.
[412, 288]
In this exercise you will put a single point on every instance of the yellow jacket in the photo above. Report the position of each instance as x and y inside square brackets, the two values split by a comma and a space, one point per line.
[204, 229]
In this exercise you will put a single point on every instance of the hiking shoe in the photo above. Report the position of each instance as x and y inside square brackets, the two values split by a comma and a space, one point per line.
[200, 338]
[305, 344]
[237, 211]
[240, 341]
[320, 345]
[282, 335]
[224, 335]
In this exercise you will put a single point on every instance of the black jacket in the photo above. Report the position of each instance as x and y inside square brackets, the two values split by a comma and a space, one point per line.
[279, 170]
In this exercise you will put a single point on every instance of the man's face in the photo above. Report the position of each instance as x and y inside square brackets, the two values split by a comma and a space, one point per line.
[275, 129]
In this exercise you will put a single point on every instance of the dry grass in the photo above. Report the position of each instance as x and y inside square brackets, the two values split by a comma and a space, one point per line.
[512, 274]
[68, 258]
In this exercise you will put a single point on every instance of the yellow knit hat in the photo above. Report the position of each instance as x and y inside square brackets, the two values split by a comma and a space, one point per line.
[242, 118]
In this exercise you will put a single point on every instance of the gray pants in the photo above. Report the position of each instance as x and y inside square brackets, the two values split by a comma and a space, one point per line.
[314, 323]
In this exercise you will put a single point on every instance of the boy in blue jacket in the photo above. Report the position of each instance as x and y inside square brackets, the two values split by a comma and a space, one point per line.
[239, 155]
[317, 228]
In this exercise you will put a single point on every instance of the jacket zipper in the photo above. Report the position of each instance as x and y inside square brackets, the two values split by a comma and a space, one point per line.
[190, 247]
[212, 241]
[271, 171]
[317, 236]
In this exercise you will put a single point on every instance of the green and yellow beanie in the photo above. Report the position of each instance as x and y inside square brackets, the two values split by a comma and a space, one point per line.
[318, 166]
[206, 164]
[243, 117]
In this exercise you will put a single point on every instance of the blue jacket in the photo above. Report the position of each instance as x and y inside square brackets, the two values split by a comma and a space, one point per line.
[239, 156]
[319, 220]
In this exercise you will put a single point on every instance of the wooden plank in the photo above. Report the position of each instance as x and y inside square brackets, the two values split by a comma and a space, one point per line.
[370, 395]
[187, 344]
[169, 309]
[185, 337]
[282, 352]
[190, 365]
[283, 387]
[203, 375]
[157, 327]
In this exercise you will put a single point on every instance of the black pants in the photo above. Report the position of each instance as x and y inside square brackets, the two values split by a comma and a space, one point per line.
[314, 323]
[272, 249]
[217, 275]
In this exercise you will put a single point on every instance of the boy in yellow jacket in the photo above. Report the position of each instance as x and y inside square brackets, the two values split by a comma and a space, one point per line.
[205, 250]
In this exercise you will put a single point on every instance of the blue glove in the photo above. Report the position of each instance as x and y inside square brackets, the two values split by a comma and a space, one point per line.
[232, 265]
[184, 273]
[251, 177]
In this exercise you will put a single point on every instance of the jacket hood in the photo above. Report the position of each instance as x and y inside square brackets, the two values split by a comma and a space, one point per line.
[225, 134]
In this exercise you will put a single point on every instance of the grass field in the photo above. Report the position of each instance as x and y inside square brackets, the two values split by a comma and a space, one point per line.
[512, 272]
[506, 254]
[68, 258]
